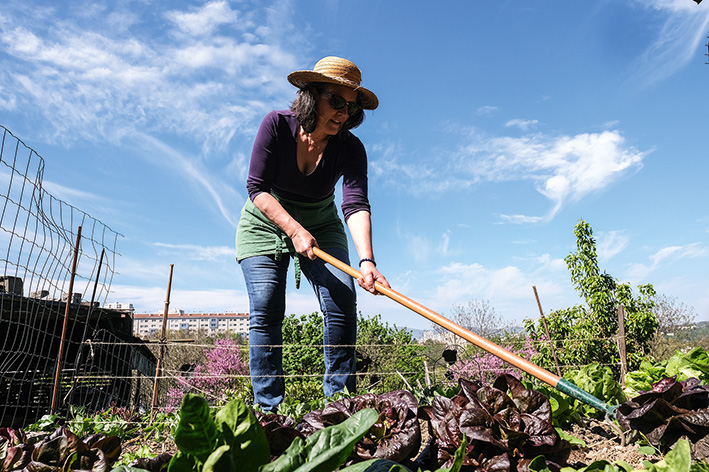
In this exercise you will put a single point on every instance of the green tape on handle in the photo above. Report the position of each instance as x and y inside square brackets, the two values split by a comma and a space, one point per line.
[573, 391]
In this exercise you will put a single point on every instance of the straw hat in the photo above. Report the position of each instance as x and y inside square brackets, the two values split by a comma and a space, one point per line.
[335, 70]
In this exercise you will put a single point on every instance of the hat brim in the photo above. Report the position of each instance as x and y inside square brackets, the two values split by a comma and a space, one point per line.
[301, 78]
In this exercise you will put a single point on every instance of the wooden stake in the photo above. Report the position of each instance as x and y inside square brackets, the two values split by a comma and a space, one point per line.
[621, 345]
[163, 340]
[62, 342]
[546, 331]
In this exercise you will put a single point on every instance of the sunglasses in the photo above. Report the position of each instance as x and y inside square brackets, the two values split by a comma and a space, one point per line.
[337, 103]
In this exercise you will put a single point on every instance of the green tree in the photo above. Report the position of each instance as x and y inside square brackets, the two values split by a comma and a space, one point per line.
[388, 356]
[303, 358]
[586, 334]
[382, 351]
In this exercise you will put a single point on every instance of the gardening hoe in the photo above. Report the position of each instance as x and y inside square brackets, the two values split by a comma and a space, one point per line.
[544, 375]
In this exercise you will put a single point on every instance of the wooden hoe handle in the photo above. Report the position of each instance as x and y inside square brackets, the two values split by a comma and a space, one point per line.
[517, 361]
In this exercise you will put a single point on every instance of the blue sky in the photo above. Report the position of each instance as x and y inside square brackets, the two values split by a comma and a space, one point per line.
[500, 126]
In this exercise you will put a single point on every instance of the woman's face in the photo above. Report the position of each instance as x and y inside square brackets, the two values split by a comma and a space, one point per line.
[330, 121]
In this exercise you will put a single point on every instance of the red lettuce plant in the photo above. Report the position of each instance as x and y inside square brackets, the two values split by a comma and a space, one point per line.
[506, 426]
[280, 431]
[396, 435]
[671, 410]
[60, 451]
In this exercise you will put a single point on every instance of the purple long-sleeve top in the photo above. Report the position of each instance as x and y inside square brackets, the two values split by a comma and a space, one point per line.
[274, 166]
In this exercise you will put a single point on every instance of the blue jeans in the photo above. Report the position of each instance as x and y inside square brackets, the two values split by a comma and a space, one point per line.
[266, 285]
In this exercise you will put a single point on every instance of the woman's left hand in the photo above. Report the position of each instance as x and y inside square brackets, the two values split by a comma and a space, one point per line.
[370, 274]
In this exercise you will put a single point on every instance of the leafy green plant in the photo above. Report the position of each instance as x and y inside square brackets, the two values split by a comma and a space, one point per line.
[682, 366]
[235, 440]
[234, 436]
[163, 426]
[143, 452]
[326, 449]
[600, 382]
[46, 423]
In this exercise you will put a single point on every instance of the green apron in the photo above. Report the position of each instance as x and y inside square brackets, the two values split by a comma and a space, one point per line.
[256, 235]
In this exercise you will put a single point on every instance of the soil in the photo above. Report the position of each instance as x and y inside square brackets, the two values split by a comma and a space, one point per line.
[604, 443]
[601, 443]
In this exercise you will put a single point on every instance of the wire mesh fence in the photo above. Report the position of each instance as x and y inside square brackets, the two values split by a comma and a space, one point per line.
[217, 369]
[39, 313]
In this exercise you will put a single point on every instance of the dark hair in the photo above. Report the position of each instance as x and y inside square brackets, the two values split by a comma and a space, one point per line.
[306, 110]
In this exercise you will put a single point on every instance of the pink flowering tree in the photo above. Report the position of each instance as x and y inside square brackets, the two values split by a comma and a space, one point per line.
[223, 376]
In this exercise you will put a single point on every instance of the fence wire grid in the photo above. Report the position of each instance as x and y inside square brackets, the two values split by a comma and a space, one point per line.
[38, 234]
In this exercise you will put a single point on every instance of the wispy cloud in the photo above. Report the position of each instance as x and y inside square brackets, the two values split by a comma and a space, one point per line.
[611, 243]
[486, 110]
[665, 256]
[204, 20]
[152, 299]
[92, 79]
[422, 248]
[192, 169]
[200, 253]
[561, 168]
[682, 32]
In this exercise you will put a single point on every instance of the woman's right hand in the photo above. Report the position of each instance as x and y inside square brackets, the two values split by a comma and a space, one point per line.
[304, 242]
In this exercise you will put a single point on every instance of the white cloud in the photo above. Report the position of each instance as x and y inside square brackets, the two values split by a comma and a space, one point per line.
[70, 195]
[204, 20]
[520, 219]
[152, 299]
[524, 125]
[562, 168]
[220, 191]
[96, 80]
[423, 248]
[473, 281]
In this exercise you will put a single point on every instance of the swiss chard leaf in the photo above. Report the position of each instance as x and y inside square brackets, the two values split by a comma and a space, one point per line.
[241, 431]
[221, 460]
[196, 434]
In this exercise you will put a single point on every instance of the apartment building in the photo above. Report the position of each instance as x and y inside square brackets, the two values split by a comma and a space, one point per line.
[145, 324]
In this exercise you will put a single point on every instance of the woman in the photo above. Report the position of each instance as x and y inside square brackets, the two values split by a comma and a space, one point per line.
[297, 158]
